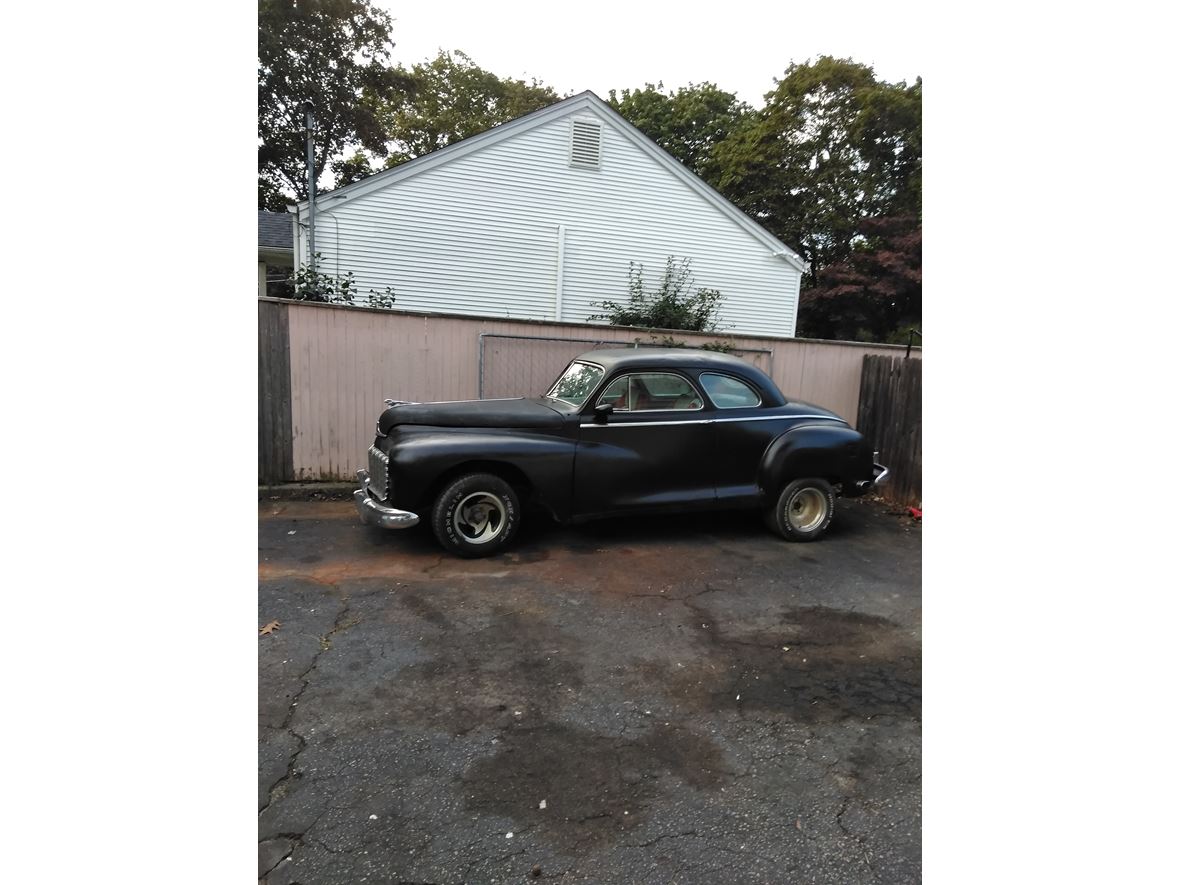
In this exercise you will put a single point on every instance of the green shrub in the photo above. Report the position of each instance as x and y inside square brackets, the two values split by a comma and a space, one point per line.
[672, 305]
[310, 284]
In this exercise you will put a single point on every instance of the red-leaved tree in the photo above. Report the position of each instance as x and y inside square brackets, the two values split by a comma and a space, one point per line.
[875, 294]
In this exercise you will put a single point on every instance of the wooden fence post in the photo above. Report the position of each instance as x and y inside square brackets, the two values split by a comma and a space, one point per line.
[276, 457]
[890, 417]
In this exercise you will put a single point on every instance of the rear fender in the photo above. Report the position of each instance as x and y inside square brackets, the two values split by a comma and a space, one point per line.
[830, 451]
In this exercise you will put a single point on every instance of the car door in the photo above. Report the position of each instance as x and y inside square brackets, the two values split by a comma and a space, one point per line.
[653, 452]
[742, 429]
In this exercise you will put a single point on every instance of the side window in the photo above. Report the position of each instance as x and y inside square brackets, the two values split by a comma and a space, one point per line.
[616, 394]
[651, 392]
[730, 393]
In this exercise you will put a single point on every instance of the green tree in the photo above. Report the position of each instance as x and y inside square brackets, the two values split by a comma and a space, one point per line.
[833, 146]
[333, 53]
[452, 98]
[673, 304]
[688, 123]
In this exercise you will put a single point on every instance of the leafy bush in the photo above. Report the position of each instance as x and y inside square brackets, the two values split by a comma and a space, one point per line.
[310, 284]
[383, 299]
[673, 304]
[719, 346]
[669, 341]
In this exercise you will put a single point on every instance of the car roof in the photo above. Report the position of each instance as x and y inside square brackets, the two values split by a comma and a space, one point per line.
[681, 358]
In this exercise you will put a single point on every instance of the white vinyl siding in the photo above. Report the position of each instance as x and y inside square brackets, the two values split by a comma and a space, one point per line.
[479, 234]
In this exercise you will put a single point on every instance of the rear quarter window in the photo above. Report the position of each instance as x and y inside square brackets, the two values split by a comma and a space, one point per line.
[728, 392]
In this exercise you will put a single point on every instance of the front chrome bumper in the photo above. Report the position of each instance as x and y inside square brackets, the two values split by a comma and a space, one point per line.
[373, 512]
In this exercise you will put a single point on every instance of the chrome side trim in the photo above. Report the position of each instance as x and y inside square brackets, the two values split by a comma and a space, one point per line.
[711, 420]
[649, 423]
[779, 418]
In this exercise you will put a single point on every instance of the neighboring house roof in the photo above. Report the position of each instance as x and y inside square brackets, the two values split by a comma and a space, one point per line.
[274, 231]
[583, 101]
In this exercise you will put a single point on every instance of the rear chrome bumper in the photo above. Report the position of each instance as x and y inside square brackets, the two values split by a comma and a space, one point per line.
[373, 512]
[880, 474]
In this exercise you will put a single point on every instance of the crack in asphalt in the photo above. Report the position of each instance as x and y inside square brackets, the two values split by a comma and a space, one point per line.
[296, 839]
[648, 844]
[864, 848]
[325, 642]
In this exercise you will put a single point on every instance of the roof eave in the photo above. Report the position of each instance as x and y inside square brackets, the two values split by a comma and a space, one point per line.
[556, 110]
[642, 141]
[386, 177]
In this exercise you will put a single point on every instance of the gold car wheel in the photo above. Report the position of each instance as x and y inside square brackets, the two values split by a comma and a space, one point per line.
[807, 509]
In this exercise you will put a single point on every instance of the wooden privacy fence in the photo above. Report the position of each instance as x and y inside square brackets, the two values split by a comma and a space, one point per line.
[274, 395]
[324, 371]
[890, 417]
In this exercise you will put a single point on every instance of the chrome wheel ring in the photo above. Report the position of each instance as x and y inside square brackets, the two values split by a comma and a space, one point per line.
[807, 510]
[480, 518]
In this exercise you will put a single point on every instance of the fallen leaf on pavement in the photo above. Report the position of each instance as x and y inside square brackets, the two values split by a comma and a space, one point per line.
[269, 628]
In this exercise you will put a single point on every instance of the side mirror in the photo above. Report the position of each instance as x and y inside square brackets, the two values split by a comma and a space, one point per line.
[601, 411]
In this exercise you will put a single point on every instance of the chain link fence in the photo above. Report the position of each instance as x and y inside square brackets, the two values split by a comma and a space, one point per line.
[526, 365]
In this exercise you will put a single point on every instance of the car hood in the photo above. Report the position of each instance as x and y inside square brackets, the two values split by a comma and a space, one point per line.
[516, 413]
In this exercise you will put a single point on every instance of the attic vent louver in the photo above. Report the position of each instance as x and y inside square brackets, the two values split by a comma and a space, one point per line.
[585, 143]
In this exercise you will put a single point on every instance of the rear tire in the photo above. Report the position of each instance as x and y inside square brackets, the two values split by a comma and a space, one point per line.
[804, 510]
[476, 515]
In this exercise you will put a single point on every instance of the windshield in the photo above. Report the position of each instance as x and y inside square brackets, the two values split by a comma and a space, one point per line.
[577, 383]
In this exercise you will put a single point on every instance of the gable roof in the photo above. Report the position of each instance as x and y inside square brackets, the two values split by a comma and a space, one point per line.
[581, 102]
[274, 231]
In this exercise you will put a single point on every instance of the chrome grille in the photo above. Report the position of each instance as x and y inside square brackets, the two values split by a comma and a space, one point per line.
[378, 473]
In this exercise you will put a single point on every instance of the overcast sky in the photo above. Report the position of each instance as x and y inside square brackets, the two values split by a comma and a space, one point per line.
[613, 45]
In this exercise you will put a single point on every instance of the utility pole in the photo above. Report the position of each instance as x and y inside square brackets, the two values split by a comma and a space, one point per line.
[309, 118]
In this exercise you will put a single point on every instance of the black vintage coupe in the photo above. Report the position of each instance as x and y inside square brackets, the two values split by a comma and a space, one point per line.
[640, 430]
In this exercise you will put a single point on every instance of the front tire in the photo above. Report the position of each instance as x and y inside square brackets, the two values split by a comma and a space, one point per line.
[804, 510]
[476, 515]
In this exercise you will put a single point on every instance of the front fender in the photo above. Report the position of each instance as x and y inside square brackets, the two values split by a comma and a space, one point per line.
[419, 458]
[834, 452]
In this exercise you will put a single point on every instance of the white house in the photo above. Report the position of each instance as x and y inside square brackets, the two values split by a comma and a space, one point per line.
[541, 217]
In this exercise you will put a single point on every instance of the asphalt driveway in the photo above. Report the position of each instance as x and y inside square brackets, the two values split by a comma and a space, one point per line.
[679, 700]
